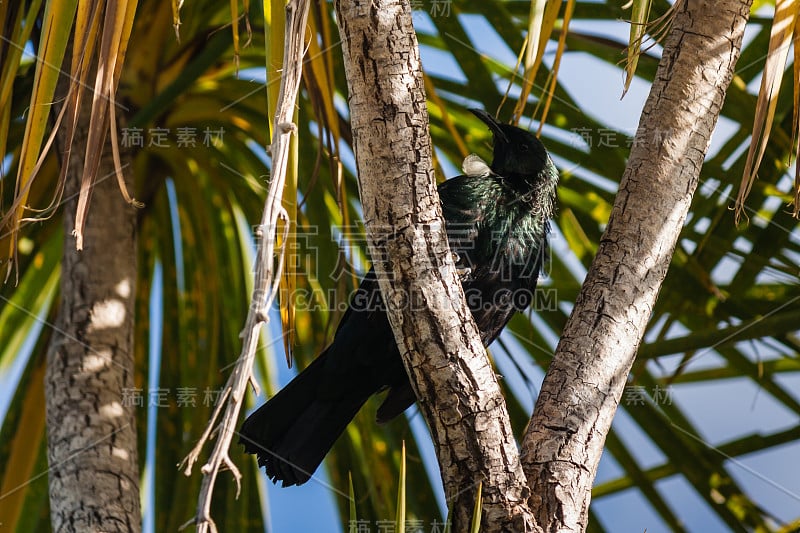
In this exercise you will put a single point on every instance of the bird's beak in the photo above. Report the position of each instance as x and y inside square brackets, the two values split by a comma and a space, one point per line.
[490, 121]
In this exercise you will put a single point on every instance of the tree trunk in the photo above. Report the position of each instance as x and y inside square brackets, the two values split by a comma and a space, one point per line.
[565, 438]
[94, 470]
[438, 340]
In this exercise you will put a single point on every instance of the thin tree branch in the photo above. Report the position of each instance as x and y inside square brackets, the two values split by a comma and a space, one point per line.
[267, 274]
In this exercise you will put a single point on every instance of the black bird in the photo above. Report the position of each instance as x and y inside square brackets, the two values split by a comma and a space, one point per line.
[497, 220]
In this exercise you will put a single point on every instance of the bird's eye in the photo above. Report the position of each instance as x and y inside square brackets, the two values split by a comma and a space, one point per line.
[524, 147]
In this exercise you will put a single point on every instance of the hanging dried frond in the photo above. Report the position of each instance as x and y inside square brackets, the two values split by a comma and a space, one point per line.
[543, 17]
[640, 14]
[117, 24]
[642, 31]
[112, 37]
[56, 27]
[552, 79]
[783, 30]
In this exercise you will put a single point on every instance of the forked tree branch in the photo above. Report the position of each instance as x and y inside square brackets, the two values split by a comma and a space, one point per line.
[267, 276]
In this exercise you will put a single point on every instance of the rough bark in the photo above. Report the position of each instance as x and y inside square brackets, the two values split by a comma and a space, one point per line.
[565, 438]
[94, 471]
[438, 340]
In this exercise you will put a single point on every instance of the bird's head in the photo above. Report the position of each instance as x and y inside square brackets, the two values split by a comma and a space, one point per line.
[517, 152]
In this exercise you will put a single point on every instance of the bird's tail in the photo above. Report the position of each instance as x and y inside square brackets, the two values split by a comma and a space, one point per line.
[295, 429]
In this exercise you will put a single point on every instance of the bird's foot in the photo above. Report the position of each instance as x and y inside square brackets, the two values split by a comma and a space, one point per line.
[463, 272]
